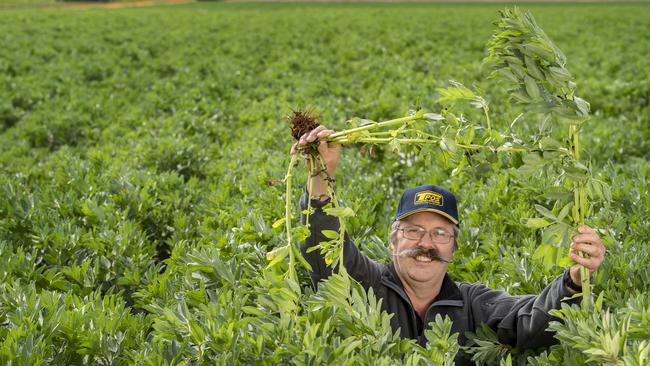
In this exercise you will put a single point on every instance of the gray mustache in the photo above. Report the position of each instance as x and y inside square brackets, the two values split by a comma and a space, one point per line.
[416, 252]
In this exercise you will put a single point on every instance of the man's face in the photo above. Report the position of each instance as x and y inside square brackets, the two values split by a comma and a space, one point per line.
[419, 270]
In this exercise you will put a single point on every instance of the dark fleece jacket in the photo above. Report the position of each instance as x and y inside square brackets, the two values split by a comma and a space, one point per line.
[520, 321]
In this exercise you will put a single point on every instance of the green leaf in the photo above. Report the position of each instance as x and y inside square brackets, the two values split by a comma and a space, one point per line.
[598, 304]
[468, 136]
[340, 212]
[298, 255]
[532, 164]
[558, 193]
[540, 50]
[352, 346]
[277, 255]
[599, 190]
[559, 73]
[433, 117]
[512, 60]
[300, 233]
[251, 310]
[455, 92]
[448, 145]
[564, 211]
[545, 212]
[507, 361]
[521, 96]
[552, 155]
[564, 112]
[394, 145]
[576, 172]
[557, 234]
[546, 255]
[536, 223]
[533, 70]
[197, 333]
[582, 105]
[330, 234]
[517, 70]
[564, 261]
[279, 223]
[548, 143]
[506, 73]
[531, 88]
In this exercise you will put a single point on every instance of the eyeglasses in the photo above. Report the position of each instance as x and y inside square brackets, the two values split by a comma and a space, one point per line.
[437, 235]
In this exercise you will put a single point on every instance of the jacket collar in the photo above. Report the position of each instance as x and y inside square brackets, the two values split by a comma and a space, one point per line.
[449, 295]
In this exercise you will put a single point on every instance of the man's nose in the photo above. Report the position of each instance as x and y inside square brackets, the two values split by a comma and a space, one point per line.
[426, 241]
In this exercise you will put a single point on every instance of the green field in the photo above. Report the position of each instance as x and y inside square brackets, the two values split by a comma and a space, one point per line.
[142, 153]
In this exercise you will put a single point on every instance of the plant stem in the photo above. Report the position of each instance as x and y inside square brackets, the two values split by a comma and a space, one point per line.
[395, 132]
[287, 216]
[487, 118]
[433, 141]
[309, 189]
[385, 140]
[372, 126]
[580, 203]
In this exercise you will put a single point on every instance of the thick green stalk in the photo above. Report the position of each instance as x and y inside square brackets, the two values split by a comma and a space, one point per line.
[287, 217]
[392, 122]
[434, 141]
[385, 140]
[309, 188]
[580, 203]
[394, 133]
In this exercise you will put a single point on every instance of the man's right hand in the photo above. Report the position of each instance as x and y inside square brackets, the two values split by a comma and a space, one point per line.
[329, 152]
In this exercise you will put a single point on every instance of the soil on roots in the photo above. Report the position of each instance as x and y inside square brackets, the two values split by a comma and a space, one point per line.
[302, 122]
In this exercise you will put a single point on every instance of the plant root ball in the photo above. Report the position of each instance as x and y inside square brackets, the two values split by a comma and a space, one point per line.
[302, 122]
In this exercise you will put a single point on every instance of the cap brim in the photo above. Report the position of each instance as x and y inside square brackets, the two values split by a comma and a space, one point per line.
[446, 215]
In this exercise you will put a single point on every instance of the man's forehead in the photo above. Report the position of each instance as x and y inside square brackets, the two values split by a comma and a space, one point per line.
[428, 218]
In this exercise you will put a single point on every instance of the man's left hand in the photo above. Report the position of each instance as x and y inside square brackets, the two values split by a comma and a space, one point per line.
[588, 242]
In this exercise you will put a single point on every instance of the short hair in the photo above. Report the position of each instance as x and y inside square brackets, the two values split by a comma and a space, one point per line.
[395, 225]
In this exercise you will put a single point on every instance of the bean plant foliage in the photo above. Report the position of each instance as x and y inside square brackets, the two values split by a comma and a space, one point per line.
[148, 201]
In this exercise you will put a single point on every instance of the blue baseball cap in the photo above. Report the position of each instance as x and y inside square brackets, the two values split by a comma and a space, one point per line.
[428, 198]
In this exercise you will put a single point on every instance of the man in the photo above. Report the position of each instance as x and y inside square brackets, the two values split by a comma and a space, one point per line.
[415, 287]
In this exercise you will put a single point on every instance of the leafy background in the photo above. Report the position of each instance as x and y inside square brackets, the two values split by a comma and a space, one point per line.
[142, 153]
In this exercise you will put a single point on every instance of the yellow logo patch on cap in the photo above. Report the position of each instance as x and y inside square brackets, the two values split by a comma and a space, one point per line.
[431, 197]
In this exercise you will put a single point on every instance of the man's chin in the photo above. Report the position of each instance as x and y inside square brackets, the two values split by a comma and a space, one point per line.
[424, 274]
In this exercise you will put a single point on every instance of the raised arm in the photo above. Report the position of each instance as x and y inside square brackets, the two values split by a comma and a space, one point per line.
[521, 321]
[356, 263]
[330, 154]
